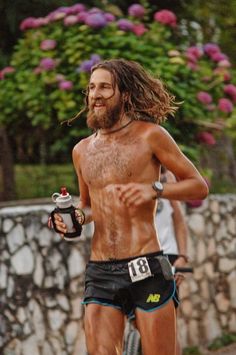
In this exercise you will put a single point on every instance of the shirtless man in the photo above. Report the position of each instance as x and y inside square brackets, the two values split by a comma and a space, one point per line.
[118, 170]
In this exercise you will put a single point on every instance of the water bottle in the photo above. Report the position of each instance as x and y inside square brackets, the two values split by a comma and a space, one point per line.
[66, 210]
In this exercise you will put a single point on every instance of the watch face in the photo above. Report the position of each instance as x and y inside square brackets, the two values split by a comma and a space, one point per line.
[158, 186]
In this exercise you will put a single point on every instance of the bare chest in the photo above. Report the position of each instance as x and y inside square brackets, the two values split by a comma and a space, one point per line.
[112, 161]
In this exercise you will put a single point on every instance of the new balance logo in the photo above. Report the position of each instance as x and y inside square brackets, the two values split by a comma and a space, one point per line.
[153, 298]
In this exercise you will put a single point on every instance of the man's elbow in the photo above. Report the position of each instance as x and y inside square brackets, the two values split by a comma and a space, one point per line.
[203, 189]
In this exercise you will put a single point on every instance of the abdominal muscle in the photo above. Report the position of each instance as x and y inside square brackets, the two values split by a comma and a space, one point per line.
[121, 232]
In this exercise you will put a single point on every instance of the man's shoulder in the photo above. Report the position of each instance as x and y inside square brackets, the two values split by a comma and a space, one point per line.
[150, 130]
[82, 144]
[147, 127]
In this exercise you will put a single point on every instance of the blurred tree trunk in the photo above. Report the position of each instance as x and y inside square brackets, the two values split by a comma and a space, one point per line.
[7, 191]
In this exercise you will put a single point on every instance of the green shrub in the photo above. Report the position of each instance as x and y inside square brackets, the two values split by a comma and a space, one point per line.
[49, 70]
[224, 340]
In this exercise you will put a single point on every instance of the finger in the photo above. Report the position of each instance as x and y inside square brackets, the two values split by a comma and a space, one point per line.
[50, 225]
[127, 194]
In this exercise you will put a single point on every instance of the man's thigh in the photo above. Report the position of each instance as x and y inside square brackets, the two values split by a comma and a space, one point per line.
[104, 329]
[158, 330]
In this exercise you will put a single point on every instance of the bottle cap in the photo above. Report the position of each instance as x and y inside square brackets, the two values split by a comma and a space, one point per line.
[64, 191]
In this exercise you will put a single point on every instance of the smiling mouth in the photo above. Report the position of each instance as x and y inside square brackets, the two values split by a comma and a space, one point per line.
[98, 106]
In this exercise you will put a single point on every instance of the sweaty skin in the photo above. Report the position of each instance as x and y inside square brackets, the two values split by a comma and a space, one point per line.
[116, 167]
[116, 173]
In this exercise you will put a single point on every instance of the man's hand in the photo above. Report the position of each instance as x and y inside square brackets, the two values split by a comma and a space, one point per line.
[61, 226]
[179, 277]
[134, 194]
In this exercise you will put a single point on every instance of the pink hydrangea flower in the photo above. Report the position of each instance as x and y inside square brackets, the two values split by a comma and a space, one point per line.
[194, 52]
[230, 89]
[70, 20]
[218, 56]
[225, 63]
[206, 138]
[48, 44]
[136, 10]
[139, 29]
[192, 65]
[32, 22]
[74, 9]
[5, 71]
[37, 70]
[165, 17]
[65, 85]
[204, 97]
[211, 49]
[47, 63]
[60, 77]
[56, 16]
[82, 16]
[225, 105]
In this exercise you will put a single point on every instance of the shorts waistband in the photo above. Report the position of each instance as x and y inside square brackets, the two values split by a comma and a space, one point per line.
[125, 260]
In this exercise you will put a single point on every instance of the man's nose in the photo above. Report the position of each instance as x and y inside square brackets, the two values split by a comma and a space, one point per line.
[96, 93]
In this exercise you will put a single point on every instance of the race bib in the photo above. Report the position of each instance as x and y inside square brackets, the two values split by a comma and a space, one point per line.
[139, 269]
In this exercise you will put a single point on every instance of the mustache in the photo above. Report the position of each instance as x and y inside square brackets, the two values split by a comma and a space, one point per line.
[93, 102]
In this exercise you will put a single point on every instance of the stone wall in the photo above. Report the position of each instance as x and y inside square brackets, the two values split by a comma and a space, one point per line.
[41, 280]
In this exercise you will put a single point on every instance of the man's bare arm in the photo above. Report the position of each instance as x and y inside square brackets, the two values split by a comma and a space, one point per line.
[190, 184]
[84, 199]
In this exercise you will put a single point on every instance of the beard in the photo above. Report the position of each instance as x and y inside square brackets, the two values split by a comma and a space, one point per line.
[107, 119]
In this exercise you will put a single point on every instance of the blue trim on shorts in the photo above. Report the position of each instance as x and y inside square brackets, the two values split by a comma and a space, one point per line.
[95, 301]
[131, 315]
[163, 304]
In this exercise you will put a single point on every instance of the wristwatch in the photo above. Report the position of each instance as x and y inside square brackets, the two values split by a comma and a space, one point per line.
[158, 188]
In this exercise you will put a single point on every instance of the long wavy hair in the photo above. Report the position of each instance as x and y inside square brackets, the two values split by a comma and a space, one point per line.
[146, 97]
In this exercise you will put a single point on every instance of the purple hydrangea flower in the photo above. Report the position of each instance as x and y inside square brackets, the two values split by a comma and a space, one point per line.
[225, 105]
[165, 17]
[204, 97]
[48, 44]
[125, 25]
[109, 17]
[95, 58]
[96, 20]
[95, 10]
[86, 65]
[47, 63]
[65, 85]
[136, 10]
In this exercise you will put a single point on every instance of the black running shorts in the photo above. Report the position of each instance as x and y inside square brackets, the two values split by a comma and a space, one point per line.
[109, 283]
